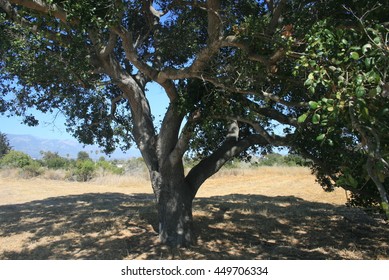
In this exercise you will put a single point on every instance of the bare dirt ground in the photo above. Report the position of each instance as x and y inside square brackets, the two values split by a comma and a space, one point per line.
[265, 213]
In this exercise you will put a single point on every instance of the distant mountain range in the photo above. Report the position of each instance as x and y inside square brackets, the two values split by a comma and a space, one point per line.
[66, 148]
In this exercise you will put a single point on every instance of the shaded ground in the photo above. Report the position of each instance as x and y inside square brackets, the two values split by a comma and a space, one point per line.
[242, 226]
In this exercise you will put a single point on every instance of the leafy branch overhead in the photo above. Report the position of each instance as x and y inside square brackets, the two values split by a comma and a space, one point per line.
[346, 70]
[94, 46]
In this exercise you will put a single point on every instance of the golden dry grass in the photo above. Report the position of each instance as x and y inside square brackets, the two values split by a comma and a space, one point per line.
[271, 181]
[264, 213]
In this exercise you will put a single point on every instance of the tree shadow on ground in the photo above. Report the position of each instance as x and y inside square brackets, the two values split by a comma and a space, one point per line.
[287, 227]
[119, 226]
[88, 226]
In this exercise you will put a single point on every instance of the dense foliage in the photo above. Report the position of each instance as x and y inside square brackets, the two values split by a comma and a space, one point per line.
[54, 160]
[16, 159]
[346, 70]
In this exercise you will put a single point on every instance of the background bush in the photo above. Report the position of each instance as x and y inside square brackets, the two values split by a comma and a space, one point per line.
[16, 159]
[85, 170]
[107, 167]
[28, 167]
[281, 160]
[54, 161]
[34, 169]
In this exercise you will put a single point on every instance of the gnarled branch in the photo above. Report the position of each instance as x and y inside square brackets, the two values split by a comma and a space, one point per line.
[43, 7]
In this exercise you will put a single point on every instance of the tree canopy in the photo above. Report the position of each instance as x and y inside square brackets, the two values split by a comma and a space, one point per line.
[241, 77]
[4, 145]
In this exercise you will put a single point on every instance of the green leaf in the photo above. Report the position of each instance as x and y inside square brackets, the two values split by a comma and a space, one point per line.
[373, 92]
[308, 82]
[377, 40]
[359, 80]
[360, 91]
[316, 119]
[313, 105]
[350, 180]
[368, 62]
[354, 55]
[365, 112]
[321, 137]
[385, 207]
[365, 48]
[355, 48]
[373, 77]
[302, 118]
[330, 101]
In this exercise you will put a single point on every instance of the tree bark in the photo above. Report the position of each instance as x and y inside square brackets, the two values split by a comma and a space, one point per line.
[174, 198]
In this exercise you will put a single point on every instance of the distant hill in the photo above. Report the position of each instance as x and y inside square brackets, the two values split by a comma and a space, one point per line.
[66, 148]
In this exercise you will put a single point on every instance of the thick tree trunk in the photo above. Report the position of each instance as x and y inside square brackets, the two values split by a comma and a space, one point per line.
[175, 219]
[174, 202]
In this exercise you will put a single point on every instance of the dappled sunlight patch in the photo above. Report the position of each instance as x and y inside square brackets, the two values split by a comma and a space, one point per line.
[12, 243]
[282, 221]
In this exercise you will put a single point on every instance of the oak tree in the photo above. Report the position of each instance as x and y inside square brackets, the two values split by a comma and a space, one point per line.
[235, 72]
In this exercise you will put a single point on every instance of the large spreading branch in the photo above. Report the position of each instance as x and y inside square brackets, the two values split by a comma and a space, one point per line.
[264, 94]
[10, 11]
[229, 149]
[202, 59]
[42, 7]
[14, 15]
[276, 15]
[235, 41]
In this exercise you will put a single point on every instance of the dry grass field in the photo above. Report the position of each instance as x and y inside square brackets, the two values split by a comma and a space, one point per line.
[264, 213]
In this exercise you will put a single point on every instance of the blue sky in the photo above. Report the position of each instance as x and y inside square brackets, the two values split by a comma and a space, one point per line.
[51, 126]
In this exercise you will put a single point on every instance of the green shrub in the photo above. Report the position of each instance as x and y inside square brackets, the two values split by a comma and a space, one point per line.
[28, 167]
[295, 160]
[16, 159]
[108, 167]
[272, 160]
[54, 161]
[85, 170]
[34, 169]
[275, 159]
